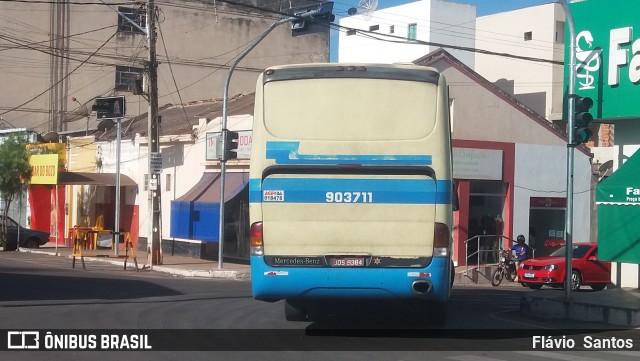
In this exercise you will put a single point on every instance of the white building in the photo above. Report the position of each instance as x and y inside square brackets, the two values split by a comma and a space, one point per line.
[425, 22]
[537, 33]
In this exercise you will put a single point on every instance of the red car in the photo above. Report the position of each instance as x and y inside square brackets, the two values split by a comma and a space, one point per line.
[550, 271]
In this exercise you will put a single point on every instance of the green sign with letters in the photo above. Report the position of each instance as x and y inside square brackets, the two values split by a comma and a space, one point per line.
[607, 56]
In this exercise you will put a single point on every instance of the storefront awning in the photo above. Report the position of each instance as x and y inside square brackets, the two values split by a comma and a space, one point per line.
[207, 190]
[196, 215]
[96, 179]
[618, 201]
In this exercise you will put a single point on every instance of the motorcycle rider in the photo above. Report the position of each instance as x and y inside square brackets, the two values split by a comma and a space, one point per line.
[520, 252]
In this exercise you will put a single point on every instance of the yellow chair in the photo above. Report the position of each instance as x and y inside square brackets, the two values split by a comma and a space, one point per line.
[97, 230]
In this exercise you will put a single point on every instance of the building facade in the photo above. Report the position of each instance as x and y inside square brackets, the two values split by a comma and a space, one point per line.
[59, 57]
[426, 24]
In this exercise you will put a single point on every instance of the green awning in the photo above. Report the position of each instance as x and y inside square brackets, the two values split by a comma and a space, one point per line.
[618, 201]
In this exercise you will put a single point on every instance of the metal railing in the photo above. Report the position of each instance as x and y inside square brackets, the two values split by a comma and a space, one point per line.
[490, 250]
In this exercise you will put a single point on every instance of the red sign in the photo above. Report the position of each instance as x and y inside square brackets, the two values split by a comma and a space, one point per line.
[548, 202]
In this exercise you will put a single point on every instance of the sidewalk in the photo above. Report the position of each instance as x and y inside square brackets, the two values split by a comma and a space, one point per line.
[612, 306]
[175, 265]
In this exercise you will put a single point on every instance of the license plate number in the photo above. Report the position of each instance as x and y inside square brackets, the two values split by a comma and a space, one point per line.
[347, 262]
[529, 275]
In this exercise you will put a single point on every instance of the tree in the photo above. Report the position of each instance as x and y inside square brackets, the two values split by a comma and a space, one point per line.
[16, 172]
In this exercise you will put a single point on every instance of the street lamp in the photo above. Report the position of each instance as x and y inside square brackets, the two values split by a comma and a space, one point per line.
[83, 110]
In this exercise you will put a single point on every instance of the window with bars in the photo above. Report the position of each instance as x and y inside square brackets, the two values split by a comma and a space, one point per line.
[125, 77]
[138, 16]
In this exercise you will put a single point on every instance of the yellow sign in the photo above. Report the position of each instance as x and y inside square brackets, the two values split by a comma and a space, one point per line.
[44, 168]
[49, 148]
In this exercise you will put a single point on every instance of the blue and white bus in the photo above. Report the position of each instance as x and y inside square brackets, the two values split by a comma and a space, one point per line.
[350, 186]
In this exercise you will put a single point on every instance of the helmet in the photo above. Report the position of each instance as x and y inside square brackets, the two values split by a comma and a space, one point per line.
[520, 239]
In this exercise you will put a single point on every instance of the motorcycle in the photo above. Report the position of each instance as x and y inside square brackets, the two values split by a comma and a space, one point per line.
[506, 269]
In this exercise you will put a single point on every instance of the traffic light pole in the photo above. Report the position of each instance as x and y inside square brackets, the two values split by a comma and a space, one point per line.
[116, 238]
[154, 244]
[571, 101]
[225, 131]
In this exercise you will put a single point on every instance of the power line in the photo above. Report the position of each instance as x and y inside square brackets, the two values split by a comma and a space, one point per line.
[59, 81]
[172, 75]
[404, 40]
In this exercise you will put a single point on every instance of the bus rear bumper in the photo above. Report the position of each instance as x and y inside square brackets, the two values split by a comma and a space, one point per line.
[275, 283]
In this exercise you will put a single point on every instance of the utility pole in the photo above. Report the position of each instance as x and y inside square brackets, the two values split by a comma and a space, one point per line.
[154, 244]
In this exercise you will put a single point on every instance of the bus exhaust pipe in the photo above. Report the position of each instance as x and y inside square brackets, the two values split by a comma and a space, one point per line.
[421, 287]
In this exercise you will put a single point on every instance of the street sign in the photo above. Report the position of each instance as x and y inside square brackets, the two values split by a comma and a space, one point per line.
[110, 107]
[156, 162]
[153, 184]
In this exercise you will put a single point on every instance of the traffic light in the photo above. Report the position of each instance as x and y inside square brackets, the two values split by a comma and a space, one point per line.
[581, 131]
[109, 107]
[312, 19]
[230, 145]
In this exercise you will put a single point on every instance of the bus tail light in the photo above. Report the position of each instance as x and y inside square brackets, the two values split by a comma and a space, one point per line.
[255, 234]
[441, 240]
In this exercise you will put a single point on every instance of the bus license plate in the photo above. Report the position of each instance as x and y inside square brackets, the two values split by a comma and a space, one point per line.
[529, 275]
[347, 262]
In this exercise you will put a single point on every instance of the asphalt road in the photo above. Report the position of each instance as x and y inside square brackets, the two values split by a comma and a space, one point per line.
[220, 319]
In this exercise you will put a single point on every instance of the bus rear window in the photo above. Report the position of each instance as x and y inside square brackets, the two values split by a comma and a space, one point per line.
[373, 110]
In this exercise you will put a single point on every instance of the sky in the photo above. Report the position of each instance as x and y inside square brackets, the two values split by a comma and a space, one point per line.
[483, 7]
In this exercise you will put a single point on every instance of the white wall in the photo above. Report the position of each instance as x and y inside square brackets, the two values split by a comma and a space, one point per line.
[537, 170]
[437, 21]
[504, 33]
[185, 176]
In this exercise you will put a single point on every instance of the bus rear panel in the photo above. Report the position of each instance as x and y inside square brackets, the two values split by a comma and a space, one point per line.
[350, 184]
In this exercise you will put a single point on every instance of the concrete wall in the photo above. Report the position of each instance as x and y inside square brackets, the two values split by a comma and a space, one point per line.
[540, 171]
[437, 21]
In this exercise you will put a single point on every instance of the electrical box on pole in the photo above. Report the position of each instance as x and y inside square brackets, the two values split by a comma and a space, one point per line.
[312, 19]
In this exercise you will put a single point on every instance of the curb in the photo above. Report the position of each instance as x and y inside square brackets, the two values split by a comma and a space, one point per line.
[557, 308]
[212, 273]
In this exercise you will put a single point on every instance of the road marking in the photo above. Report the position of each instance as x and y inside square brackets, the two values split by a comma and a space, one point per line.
[561, 356]
[473, 358]
[625, 353]
[497, 317]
